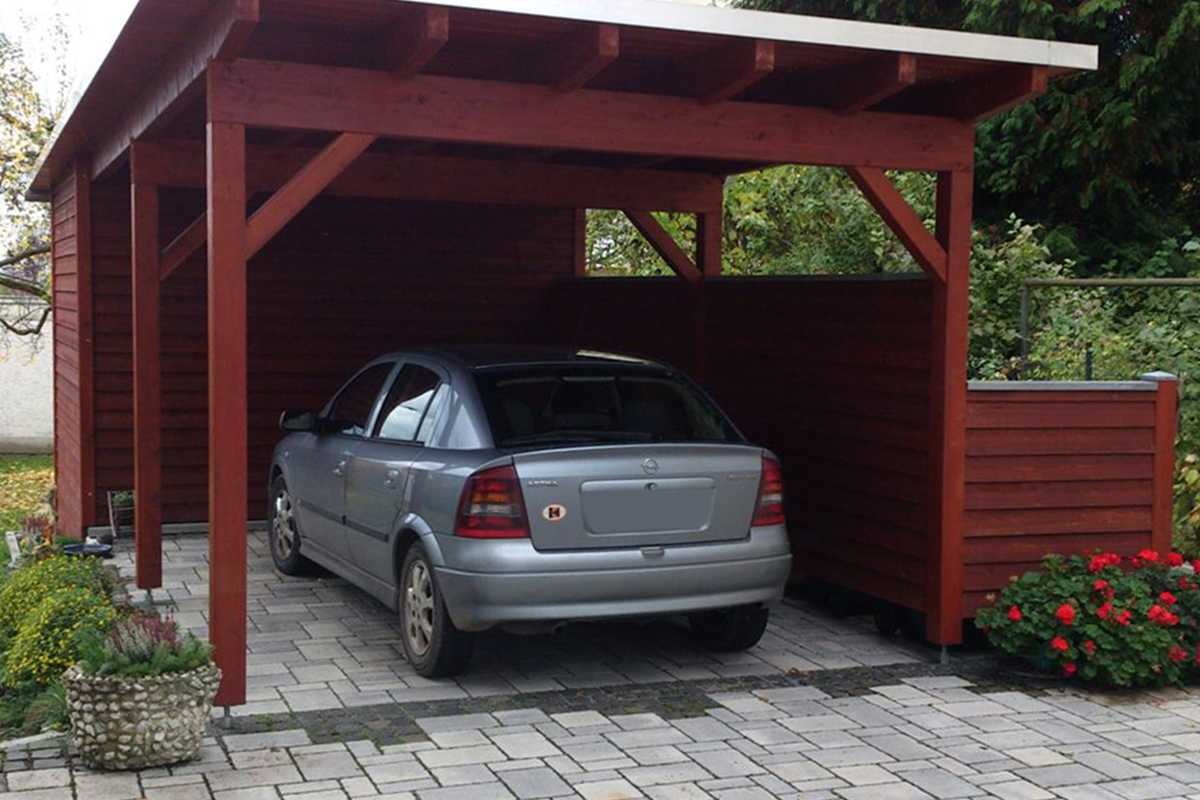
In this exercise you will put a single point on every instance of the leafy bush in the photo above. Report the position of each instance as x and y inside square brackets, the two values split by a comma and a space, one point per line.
[29, 586]
[1119, 622]
[49, 639]
[142, 644]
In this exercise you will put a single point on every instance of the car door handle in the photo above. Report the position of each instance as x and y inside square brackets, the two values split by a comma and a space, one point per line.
[340, 469]
[390, 480]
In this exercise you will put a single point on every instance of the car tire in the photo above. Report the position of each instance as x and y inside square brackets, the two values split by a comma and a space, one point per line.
[730, 630]
[434, 647]
[283, 531]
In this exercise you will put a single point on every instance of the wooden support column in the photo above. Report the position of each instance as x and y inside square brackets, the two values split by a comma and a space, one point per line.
[227, 438]
[579, 264]
[147, 384]
[1166, 410]
[708, 244]
[948, 412]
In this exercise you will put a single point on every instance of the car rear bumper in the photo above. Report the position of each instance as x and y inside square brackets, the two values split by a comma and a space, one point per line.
[488, 582]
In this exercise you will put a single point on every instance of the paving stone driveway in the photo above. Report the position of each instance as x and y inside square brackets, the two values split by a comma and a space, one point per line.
[319, 643]
[926, 737]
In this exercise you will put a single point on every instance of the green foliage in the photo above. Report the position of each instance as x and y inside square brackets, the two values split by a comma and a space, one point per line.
[1112, 621]
[142, 644]
[49, 640]
[28, 587]
[31, 709]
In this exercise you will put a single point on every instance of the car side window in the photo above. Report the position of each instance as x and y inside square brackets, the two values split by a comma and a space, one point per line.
[406, 402]
[352, 408]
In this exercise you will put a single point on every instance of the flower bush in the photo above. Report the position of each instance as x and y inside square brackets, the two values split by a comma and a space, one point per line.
[26, 588]
[1116, 621]
[50, 639]
[142, 644]
[1119, 621]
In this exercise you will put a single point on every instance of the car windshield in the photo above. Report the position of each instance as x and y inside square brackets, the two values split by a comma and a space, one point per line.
[581, 404]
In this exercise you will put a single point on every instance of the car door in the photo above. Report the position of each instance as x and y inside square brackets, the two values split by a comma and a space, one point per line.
[319, 469]
[378, 478]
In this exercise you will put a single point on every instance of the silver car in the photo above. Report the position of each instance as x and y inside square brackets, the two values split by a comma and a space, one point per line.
[473, 487]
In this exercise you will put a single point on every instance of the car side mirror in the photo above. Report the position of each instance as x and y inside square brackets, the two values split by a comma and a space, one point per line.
[297, 420]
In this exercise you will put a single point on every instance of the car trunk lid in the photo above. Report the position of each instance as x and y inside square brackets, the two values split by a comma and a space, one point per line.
[638, 495]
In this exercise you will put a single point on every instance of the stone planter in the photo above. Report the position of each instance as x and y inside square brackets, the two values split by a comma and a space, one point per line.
[134, 723]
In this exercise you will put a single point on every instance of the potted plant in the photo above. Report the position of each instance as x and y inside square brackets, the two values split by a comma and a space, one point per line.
[141, 694]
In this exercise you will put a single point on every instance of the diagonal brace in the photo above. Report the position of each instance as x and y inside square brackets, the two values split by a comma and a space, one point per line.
[900, 217]
[664, 245]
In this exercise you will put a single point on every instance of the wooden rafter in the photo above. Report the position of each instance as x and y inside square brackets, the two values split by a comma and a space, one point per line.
[903, 221]
[582, 55]
[1006, 88]
[658, 238]
[181, 164]
[300, 96]
[735, 69]
[416, 38]
[306, 184]
[871, 82]
[222, 35]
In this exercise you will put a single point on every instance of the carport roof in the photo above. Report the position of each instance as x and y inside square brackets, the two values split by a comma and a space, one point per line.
[493, 39]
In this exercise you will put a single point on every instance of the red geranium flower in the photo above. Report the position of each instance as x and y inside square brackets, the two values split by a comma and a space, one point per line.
[1184, 585]
[1124, 618]
[1196, 565]
[1150, 556]
[1100, 586]
[1014, 614]
[1103, 611]
[1068, 670]
[1066, 614]
[1174, 559]
[1167, 598]
[1177, 654]
[1089, 647]
[1060, 644]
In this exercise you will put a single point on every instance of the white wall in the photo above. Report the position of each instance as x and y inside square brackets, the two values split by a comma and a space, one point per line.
[26, 391]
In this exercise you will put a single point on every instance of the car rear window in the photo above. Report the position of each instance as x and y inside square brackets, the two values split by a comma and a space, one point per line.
[567, 404]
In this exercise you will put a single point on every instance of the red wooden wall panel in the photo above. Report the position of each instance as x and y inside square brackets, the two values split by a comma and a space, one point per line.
[346, 281]
[1054, 471]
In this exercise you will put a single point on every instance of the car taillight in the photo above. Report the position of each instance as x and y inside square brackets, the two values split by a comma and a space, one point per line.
[769, 509]
[492, 506]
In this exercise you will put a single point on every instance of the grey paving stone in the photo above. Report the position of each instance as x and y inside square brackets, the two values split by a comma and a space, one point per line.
[1148, 788]
[481, 791]
[886, 791]
[941, 783]
[323, 766]
[1064, 775]
[530, 784]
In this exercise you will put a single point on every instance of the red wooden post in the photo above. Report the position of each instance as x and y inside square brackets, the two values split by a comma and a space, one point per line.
[227, 439]
[147, 385]
[1165, 411]
[948, 412]
[708, 260]
[87, 349]
[579, 263]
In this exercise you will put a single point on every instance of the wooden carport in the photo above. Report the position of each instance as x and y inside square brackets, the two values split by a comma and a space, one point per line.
[265, 105]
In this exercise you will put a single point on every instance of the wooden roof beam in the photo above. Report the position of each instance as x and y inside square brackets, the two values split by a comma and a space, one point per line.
[870, 82]
[900, 217]
[658, 238]
[221, 36]
[182, 164]
[582, 55]
[306, 184]
[735, 69]
[415, 39]
[1000, 91]
[302, 96]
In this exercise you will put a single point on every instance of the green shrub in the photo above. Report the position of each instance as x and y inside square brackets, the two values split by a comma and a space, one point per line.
[30, 585]
[49, 639]
[1118, 622]
[142, 644]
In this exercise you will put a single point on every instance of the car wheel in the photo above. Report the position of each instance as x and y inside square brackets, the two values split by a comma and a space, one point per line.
[434, 647]
[730, 630]
[284, 532]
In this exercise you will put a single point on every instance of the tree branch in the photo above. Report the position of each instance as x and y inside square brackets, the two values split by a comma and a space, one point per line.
[20, 330]
[19, 257]
[24, 286]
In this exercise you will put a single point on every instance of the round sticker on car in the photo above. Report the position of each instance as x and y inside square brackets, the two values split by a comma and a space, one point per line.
[554, 512]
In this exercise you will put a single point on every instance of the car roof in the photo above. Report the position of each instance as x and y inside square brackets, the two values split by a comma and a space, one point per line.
[484, 356]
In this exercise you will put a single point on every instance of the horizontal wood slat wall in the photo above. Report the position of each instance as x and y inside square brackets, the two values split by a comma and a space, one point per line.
[345, 281]
[833, 375]
[1057, 471]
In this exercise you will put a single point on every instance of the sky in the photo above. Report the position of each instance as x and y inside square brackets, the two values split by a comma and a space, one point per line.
[91, 26]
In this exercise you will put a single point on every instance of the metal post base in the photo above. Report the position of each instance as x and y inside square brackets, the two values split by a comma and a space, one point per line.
[945, 657]
[226, 719]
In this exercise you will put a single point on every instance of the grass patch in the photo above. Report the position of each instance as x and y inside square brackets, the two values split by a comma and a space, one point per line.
[24, 482]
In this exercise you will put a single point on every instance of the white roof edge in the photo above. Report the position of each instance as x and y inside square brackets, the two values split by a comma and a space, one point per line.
[800, 29]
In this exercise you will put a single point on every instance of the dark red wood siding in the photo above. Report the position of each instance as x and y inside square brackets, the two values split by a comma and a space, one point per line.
[831, 374]
[1055, 471]
[73, 453]
[346, 281]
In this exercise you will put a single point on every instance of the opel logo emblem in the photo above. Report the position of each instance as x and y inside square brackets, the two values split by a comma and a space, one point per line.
[650, 466]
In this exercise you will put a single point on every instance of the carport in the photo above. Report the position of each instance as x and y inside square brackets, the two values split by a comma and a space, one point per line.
[250, 197]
